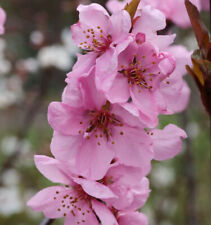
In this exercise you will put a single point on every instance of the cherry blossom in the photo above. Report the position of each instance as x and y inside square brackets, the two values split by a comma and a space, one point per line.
[141, 69]
[94, 131]
[102, 36]
[78, 200]
[2, 20]
[70, 201]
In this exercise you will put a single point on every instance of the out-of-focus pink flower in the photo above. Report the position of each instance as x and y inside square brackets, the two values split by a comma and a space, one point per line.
[78, 200]
[2, 20]
[141, 70]
[94, 131]
[205, 4]
[173, 10]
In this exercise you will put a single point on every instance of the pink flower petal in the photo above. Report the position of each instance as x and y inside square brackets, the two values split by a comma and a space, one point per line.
[121, 24]
[132, 218]
[167, 142]
[105, 215]
[106, 67]
[132, 147]
[65, 147]
[95, 189]
[2, 20]
[51, 169]
[48, 201]
[151, 20]
[119, 91]
[93, 158]
[65, 119]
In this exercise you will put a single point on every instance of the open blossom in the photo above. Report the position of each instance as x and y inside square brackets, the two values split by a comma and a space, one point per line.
[173, 10]
[78, 200]
[94, 131]
[2, 20]
[141, 69]
[102, 36]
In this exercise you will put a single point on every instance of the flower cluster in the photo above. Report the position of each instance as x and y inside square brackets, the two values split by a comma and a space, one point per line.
[173, 10]
[104, 128]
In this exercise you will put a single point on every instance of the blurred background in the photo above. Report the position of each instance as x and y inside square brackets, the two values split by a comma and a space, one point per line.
[36, 52]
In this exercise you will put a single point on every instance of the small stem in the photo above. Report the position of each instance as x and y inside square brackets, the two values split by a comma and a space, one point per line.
[47, 221]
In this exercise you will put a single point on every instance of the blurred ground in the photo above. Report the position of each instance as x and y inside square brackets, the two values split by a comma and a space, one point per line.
[36, 53]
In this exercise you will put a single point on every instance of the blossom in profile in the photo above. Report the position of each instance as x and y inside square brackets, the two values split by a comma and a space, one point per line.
[2, 20]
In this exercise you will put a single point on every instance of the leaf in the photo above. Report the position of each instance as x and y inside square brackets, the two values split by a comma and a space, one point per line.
[197, 71]
[200, 30]
[131, 8]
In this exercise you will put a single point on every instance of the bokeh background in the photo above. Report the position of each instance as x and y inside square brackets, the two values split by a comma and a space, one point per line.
[36, 52]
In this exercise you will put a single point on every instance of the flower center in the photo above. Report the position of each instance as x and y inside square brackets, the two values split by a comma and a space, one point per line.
[96, 40]
[137, 74]
[73, 201]
[102, 121]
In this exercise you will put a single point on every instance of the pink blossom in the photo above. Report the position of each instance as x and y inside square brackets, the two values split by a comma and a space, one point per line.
[93, 132]
[79, 198]
[141, 69]
[173, 10]
[70, 201]
[102, 36]
[2, 20]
